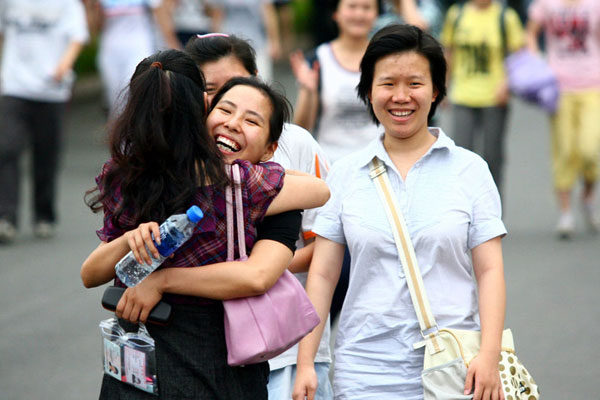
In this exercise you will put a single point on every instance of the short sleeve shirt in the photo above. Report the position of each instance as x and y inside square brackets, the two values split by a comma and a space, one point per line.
[344, 124]
[260, 184]
[477, 51]
[298, 150]
[451, 205]
[116, 7]
[244, 18]
[36, 35]
[572, 33]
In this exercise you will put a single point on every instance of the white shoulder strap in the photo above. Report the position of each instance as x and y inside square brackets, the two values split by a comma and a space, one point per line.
[404, 245]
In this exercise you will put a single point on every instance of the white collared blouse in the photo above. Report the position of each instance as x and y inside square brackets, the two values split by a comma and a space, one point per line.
[451, 205]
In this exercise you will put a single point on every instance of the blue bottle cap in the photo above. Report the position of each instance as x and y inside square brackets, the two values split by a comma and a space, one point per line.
[195, 214]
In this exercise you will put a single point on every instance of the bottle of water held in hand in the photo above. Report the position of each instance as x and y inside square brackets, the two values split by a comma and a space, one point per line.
[173, 233]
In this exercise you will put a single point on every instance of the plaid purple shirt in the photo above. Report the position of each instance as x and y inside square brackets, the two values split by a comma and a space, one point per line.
[260, 184]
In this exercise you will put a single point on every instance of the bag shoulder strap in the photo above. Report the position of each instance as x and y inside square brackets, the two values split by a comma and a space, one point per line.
[459, 14]
[503, 31]
[408, 259]
[234, 171]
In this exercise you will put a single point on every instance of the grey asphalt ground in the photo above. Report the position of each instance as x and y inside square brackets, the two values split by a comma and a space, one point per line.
[49, 337]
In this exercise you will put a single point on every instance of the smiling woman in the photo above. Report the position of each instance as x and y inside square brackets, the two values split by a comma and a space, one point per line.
[402, 93]
[163, 160]
[452, 208]
[221, 57]
[246, 120]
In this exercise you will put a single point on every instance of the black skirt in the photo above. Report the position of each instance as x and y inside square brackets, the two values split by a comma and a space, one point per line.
[191, 362]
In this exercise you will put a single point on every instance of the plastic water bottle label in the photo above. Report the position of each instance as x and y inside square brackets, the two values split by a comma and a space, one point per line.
[169, 241]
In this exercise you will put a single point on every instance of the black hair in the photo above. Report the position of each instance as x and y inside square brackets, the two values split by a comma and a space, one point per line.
[281, 109]
[397, 38]
[334, 4]
[160, 149]
[213, 47]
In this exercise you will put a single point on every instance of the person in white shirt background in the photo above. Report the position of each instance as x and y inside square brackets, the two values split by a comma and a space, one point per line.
[452, 210]
[255, 21]
[190, 17]
[41, 41]
[130, 30]
[327, 104]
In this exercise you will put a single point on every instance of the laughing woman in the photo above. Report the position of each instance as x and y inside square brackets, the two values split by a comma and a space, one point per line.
[452, 210]
[163, 160]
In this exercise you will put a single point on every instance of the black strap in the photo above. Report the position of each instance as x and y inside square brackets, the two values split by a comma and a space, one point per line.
[503, 35]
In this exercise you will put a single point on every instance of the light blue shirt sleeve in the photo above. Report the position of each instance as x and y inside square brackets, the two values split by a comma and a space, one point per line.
[486, 217]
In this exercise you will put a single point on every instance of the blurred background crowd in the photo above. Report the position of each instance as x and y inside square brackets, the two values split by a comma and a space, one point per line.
[321, 44]
[313, 48]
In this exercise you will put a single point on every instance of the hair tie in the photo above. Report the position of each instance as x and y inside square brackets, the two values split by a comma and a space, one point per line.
[157, 64]
[209, 35]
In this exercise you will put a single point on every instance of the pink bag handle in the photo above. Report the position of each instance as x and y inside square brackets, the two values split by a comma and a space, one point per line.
[235, 172]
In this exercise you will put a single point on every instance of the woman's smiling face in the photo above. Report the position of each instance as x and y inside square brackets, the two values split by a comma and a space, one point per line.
[356, 17]
[402, 93]
[239, 123]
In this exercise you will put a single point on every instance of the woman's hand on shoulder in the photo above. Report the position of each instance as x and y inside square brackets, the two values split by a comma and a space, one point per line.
[140, 241]
[483, 377]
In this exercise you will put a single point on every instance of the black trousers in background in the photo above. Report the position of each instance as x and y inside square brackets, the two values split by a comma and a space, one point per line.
[488, 124]
[38, 124]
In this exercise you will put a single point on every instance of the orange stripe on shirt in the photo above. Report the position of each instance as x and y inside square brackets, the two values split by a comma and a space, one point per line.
[317, 166]
[308, 235]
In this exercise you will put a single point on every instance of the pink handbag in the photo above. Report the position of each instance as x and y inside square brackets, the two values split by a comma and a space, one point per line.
[259, 328]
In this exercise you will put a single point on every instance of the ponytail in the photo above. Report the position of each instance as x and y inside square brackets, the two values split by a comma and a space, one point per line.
[161, 151]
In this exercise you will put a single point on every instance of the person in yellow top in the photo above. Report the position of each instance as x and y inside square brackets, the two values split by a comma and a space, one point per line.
[477, 36]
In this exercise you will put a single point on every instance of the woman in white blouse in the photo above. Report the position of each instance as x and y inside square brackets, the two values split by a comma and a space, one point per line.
[452, 210]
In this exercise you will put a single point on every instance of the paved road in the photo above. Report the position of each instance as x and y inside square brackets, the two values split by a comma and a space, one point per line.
[49, 340]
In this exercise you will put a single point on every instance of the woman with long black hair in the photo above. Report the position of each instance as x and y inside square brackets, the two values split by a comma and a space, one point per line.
[163, 160]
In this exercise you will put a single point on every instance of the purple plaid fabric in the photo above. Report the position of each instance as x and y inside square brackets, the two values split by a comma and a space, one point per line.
[260, 184]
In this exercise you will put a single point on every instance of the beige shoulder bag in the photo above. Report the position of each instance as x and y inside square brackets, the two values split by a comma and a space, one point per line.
[448, 352]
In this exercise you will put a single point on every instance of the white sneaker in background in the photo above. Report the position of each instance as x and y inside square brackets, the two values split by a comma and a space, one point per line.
[8, 231]
[566, 225]
[44, 230]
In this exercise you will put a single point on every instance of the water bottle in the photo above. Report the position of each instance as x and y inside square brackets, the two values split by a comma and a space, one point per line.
[173, 233]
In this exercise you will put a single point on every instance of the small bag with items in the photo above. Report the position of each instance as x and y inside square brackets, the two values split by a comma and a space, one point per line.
[129, 356]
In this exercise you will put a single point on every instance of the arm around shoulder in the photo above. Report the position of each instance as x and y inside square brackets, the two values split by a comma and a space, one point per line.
[299, 192]
[230, 279]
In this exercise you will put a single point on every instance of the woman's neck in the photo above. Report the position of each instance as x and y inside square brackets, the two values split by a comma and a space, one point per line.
[405, 152]
[348, 51]
[350, 44]
[478, 5]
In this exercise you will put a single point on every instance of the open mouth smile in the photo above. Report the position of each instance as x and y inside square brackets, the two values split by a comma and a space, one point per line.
[406, 113]
[227, 145]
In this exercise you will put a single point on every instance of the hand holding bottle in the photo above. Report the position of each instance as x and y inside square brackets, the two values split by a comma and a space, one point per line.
[151, 244]
[140, 241]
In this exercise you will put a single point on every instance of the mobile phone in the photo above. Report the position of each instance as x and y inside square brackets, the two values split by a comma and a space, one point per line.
[160, 314]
